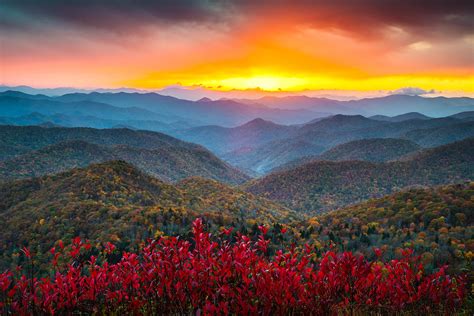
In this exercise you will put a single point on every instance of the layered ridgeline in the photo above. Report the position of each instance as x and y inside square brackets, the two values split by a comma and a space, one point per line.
[375, 150]
[401, 117]
[259, 145]
[392, 105]
[15, 104]
[222, 140]
[321, 185]
[257, 151]
[372, 149]
[18, 108]
[129, 107]
[279, 109]
[436, 136]
[437, 223]
[117, 202]
[75, 120]
[34, 151]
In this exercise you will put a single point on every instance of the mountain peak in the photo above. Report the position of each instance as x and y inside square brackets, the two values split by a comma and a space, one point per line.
[401, 117]
[412, 116]
[205, 99]
[258, 122]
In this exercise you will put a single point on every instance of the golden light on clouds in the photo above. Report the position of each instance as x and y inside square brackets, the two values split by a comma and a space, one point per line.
[289, 46]
[274, 82]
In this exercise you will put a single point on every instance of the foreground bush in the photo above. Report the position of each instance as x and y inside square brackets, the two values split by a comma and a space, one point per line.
[215, 276]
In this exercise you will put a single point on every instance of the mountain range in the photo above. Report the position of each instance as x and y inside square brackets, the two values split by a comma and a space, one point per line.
[389, 105]
[401, 117]
[318, 186]
[65, 120]
[30, 151]
[115, 201]
[128, 166]
[223, 139]
[314, 138]
[372, 149]
[223, 112]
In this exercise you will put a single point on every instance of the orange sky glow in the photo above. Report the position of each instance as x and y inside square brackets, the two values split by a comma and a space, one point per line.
[279, 48]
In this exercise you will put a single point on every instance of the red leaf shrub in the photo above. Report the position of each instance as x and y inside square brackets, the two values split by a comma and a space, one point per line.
[215, 276]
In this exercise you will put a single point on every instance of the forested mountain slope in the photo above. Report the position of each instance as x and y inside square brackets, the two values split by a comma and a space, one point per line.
[117, 202]
[222, 140]
[436, 222]
[319, 136]
[34, 151]
[321, 185]
[167, 163]
[375, 150]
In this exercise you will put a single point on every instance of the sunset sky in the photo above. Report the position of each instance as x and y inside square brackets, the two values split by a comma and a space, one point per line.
[222, 45]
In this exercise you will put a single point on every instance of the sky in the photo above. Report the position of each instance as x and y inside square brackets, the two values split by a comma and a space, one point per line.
[350, 46]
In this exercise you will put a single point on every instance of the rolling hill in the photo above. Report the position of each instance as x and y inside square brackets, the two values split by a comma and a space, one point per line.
[296, 142]
[222, 140]
[321, 135]
[26, 138]
[34, 151]
[65, 120]
[401, 117]
[222, 112]
[468, 115]
[372, 149]
[117, 202]
[166, 163]
[375, 150]
[14, 106]
[436, 222]
[340, 129]
[390, 105]
[321, 185]
[431, 137]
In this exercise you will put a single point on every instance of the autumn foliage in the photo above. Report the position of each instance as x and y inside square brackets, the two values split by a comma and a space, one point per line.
[225, 274]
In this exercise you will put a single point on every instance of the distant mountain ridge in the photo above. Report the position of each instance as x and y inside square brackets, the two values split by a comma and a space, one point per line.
[321, 185]
[251, 136]
[80, 120]
[13, 106]
[314, 138]
[285, 110]
[436, 136]
[222, 140]
[34, 151]
[464, 115]
[401, 117]
[372, 149]
[391, 105]
[223, 112]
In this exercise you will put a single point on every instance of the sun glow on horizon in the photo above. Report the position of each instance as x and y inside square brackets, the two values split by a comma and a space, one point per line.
[274, 82]
[229, 46]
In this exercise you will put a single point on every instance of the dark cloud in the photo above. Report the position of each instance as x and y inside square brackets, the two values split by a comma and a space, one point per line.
[107, 15]
[369, 17]
[361, 17]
